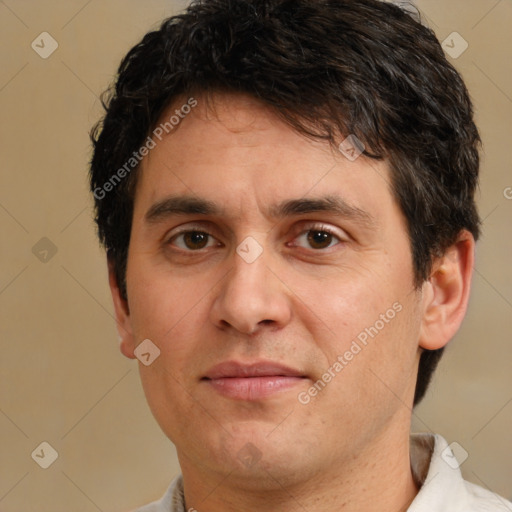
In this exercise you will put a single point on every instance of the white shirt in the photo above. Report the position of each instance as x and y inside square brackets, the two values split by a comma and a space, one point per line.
[435, 469]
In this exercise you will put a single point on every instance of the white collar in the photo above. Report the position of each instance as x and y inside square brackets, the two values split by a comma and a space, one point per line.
[443, 488]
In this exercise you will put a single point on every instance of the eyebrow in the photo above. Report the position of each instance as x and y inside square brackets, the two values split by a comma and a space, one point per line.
[190, 205]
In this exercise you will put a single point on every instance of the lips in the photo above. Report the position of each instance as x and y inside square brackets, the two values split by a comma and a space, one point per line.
[233, 369]
[251, 381]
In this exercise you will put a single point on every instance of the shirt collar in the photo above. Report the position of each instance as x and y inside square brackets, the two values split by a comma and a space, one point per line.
[436, 471]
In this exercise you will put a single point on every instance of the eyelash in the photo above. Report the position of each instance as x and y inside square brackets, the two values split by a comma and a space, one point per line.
[312, 228]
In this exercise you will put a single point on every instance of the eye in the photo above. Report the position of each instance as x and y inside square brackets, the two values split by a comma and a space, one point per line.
[318, 237]
[192, 240]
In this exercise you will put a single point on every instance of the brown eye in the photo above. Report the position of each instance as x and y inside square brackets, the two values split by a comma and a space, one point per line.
[191, 240]
[319, 239]
[195, 239]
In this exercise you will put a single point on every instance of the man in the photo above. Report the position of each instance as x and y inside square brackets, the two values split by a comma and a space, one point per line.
[285, 190]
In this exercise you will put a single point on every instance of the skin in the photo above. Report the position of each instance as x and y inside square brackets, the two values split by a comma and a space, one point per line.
[299, 303]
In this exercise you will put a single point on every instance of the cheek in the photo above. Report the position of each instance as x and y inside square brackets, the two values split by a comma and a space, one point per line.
[373, 324]
[386, 365]
[346, 308]
[162, 305]
[171, 315]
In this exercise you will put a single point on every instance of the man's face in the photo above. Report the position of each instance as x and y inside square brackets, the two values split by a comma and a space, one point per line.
[275, 322]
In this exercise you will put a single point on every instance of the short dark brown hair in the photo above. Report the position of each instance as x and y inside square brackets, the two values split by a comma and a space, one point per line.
[329, 68]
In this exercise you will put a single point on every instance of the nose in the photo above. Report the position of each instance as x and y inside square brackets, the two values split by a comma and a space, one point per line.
[249, 297]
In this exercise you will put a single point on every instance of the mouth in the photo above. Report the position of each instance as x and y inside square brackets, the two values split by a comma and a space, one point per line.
[252, 381]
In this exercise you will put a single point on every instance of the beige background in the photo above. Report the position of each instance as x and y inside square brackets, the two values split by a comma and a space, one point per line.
[62, 377]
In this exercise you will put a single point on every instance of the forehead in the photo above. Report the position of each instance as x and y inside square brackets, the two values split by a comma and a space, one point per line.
[228, 147]
[227, 120]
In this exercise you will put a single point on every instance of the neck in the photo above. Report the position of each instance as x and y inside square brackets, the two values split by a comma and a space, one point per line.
[378, 477]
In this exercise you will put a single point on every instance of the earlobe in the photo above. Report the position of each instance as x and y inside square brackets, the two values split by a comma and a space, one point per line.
[446, 293]
[122, 315]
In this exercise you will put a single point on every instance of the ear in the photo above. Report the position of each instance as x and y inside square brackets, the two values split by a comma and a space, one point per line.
[446, 293]
[122, 313]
